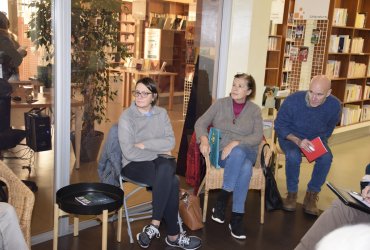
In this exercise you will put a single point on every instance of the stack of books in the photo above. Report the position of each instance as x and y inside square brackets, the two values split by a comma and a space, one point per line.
[340, 17]
[360, 19]
[356, 69]
[333, 69]
[352, 93]
[351, 113]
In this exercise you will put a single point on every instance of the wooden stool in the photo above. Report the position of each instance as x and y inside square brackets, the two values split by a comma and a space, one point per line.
[67, 204]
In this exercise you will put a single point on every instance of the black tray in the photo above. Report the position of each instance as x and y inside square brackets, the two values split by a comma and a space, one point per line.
[66, 198]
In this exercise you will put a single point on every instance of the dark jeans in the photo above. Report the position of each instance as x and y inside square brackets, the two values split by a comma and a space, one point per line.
[293, 162]
[160, 175]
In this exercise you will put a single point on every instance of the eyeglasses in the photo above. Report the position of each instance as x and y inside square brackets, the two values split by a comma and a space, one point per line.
[141, 94]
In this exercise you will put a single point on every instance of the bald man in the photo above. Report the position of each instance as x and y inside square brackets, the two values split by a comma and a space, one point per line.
[302, 117]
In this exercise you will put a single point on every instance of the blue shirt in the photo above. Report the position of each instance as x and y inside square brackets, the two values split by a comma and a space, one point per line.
[297, 118]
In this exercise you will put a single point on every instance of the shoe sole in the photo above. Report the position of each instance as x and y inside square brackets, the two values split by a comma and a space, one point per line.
[216, 219]
[171, 245]
[138, 241]
[310, 213]
[289, 209]
[239, 237]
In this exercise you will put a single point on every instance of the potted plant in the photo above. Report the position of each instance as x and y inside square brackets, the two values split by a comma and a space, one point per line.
[94, 35]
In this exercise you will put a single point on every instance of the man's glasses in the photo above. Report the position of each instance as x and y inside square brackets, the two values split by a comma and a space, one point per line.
[142, 94]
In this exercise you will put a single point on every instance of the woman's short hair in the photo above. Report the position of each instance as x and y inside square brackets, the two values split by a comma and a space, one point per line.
[251, 83]
[4, 21]
[150, 84]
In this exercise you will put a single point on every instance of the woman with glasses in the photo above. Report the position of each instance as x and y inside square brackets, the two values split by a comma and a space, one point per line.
[145, 132]
[239, 121]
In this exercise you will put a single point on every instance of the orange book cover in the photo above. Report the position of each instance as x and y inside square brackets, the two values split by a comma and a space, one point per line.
[320, 149]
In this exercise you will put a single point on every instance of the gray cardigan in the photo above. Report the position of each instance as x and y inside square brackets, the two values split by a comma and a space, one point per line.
[154, 131]
[248, 127]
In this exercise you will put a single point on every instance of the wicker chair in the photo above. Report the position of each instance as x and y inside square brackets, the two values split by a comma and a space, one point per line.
[214, 179]
[21, 198]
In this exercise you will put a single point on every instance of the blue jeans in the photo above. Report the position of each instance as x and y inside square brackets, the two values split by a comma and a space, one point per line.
[293, 160]
[238, 172]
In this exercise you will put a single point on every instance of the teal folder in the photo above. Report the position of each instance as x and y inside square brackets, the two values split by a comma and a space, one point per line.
[214, 142]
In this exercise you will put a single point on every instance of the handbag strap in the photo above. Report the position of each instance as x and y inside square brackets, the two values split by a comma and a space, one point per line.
[264, 167]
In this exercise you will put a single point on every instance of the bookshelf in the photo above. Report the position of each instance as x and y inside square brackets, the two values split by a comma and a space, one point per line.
[127, 27]
[347, 58]
[273, 65]
[280, 40]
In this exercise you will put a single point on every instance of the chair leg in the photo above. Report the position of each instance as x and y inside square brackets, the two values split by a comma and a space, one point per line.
[119, 224]
[128, 221]
[262, 220]
[206, 191]
[180, 223]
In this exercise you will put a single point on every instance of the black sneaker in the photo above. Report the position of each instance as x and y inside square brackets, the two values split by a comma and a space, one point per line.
[185, 242]
[236, 226]
[218, 212]
[145, 237]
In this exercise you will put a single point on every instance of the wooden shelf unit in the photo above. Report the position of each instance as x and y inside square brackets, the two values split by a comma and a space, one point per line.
[127, 27]
[350, 87]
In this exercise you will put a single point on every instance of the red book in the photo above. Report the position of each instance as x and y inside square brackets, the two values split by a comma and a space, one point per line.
[319, 150]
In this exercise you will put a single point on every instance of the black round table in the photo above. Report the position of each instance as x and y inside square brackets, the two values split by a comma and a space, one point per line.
[88, 199]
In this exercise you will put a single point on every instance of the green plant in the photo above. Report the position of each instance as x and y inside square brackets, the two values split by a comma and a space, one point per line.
[94, 32]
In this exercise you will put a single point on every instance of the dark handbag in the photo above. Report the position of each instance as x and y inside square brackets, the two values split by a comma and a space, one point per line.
[273, 199]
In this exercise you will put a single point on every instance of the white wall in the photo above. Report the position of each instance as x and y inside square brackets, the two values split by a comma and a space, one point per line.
[246, 45]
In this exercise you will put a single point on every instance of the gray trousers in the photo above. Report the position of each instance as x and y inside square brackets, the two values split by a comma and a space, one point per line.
[337, 215]
[11, 236]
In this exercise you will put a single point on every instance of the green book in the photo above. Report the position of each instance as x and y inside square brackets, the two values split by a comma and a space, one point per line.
[214, 143]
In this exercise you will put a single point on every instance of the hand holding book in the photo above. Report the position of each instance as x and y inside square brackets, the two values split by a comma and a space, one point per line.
[314, 149]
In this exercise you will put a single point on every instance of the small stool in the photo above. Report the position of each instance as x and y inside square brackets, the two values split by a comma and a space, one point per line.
[66, 203]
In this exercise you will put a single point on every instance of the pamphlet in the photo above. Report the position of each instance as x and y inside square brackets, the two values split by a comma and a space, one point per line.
[359, 198]
[91, 199]
[319, 150]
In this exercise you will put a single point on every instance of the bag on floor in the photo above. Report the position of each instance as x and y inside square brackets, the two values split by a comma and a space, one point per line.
[189, 209]
[273, 199]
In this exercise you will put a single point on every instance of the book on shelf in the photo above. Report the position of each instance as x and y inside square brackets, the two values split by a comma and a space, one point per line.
[161, 21]
[333, 69]
[351, 113]
[315, 37]
[340, 16]
[360, 19]
[343, 43]
[167, 23]
[93, 198]
[154, 22]
[367, 91]
[353, 92]
[293, 53]
[356, 69]
[357, 45]
[365, 116]
[299, 32]
[183, 24]
[303, 53]
[272, 28]
[176, 25]
[272, 43]
[318, 150]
